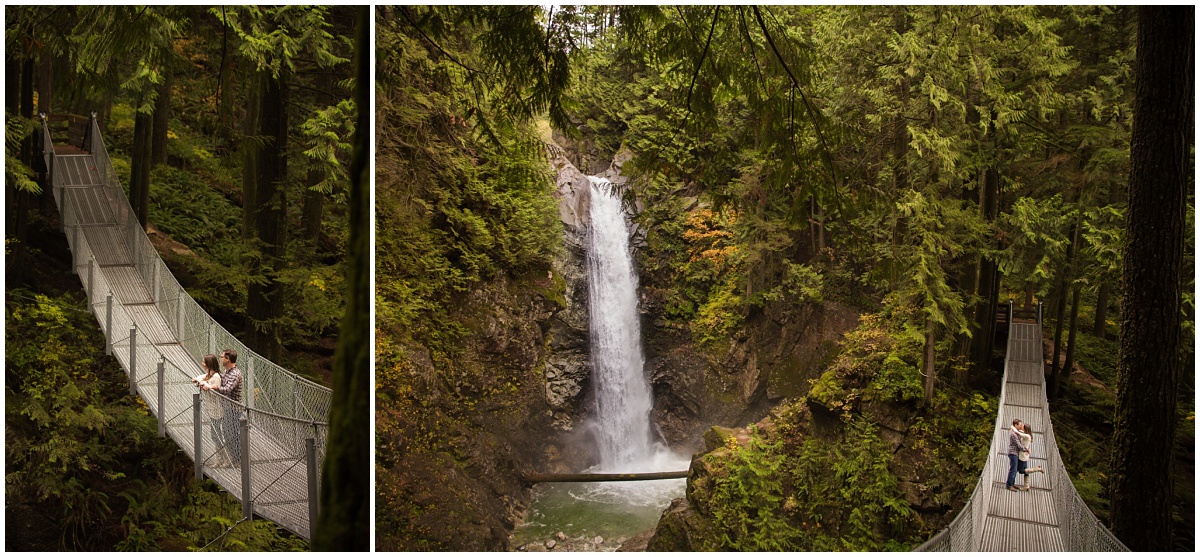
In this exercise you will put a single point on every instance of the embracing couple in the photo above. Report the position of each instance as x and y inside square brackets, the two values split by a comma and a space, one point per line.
[1020, 439]
[226, 379]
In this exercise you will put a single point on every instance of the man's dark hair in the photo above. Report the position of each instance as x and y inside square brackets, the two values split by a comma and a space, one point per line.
[232, 355]
[1015, 420]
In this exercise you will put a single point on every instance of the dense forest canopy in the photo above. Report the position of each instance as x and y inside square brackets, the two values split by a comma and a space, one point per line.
[230, 128]
[922, 163]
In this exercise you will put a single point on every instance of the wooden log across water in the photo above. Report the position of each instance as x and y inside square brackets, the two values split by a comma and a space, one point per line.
[546, 478]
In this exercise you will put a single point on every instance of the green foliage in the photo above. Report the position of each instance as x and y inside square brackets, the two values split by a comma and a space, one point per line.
[822, 494]
[194, 215]
[878, 363]
[17, 174]
[452, 210]
[272, 38]
[748, 499]
[327, 133]
[86, 454]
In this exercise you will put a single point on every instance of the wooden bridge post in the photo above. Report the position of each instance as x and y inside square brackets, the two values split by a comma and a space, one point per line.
[91, 292]
[1039, 312]
[212, 338]
[133, 360]
[179, 323]
[247, 503]
[162, 406]
[197, 438]
[108, 325]
[310, 455]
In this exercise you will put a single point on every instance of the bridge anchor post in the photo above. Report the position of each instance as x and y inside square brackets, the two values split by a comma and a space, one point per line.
[310, 455]
[133, 360]
[75, 250]
[108, 326]
[91, 293]
[62, 209]
[197, 438]
[247, 495]
[162, 404]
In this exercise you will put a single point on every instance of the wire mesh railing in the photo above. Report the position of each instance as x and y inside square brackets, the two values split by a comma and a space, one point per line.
[281, 420]
[1078, 526]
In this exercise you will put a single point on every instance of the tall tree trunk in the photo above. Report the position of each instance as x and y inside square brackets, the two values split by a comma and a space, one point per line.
[264, 302]
[12, 105]
[1141, 490]
[45, 93]
[985, 310]
[1066, 277]
[344, 523]
[139, 171]
[24, 199]
[927, 361]
[27, 78]
[250, 157]
[314, 205]
[162, 120]
[1101, 326]
[1072, 328]
[314, 201]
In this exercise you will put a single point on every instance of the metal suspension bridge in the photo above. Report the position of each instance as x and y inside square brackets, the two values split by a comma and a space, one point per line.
[158, 333]
[1050, 516]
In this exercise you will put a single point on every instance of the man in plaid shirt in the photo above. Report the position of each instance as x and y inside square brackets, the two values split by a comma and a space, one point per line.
[231, 387]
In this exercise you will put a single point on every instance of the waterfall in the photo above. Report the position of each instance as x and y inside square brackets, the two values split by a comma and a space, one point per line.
[623, 402]
[621, 423]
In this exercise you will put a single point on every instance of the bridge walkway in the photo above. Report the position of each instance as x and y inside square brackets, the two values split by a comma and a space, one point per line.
[1050, 516]
[158, 334]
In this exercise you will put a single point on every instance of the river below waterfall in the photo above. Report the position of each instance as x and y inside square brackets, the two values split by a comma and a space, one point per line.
[599, 516]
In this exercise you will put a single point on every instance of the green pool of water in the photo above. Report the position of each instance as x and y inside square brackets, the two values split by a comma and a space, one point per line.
[613, 511]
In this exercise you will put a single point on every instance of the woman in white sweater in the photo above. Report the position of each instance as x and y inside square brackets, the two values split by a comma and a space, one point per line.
[1026, 434]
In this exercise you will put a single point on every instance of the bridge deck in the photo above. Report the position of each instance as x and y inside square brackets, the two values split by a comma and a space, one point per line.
[1022, 520]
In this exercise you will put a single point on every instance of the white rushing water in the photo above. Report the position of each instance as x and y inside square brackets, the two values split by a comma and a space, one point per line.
[622, 426]
[622, 420]
[625, 438]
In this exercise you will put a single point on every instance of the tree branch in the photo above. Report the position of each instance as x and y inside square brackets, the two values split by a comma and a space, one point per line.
[703, 55]
[413, 24]
[808, 106]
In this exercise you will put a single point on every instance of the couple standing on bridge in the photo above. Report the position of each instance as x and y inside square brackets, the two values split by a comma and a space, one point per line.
[1020, 439]
[225, 418]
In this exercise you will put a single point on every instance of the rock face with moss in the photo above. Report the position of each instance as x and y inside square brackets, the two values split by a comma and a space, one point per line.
[855, 464]
[776, 355]
[568, 367]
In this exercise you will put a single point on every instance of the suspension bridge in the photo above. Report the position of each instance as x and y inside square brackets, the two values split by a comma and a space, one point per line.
[1050, 516]
[159, 334]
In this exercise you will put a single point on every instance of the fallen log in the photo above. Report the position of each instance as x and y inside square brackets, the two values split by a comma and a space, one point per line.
[547, 478]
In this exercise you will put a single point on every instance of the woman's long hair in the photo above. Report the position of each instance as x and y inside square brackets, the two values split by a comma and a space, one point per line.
[210, 364]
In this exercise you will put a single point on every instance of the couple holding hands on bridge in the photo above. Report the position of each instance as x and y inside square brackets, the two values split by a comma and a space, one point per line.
[229, 384]
[1020, 439]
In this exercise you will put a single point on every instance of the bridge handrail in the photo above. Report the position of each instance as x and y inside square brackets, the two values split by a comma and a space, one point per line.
[1080, 529]
[302, 399]
[166, 388]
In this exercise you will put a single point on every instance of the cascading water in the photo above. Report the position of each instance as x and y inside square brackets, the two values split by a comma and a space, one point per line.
[621, 424]
[622, 420]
